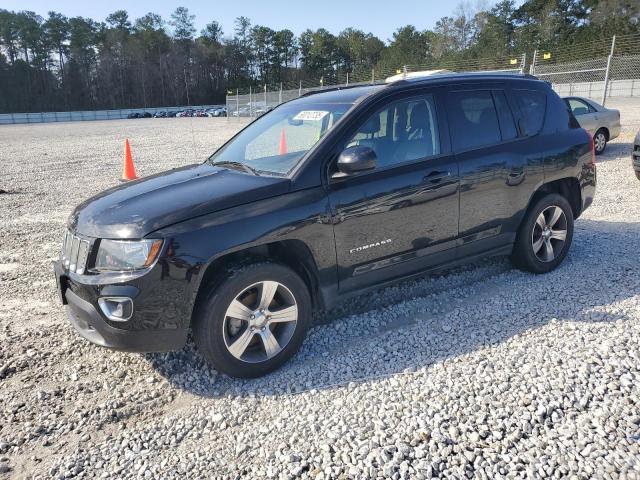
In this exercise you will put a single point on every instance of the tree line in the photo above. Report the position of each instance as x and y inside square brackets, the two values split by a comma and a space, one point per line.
[59, 63]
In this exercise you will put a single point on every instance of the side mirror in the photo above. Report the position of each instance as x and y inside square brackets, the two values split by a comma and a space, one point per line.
[354, 160]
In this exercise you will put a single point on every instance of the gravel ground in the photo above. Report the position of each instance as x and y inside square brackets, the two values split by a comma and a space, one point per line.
[481, 371]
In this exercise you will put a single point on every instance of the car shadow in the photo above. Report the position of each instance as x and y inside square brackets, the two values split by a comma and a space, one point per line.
[352, 345]
[614, 151]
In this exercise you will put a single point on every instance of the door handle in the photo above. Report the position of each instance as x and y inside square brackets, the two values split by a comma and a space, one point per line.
[436, 177]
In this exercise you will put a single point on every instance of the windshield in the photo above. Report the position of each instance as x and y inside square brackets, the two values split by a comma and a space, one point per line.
[276, 142]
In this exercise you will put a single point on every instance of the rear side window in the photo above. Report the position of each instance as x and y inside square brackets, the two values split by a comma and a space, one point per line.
[507, 123]
[473, 119]
[578, 107]
[533, 106]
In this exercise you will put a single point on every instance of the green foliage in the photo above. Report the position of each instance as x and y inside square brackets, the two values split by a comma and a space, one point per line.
[58, 63]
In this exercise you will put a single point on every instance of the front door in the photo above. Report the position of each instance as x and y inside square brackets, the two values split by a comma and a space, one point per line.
[401, 217]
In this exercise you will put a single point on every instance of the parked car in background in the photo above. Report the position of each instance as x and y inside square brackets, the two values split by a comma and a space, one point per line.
[262, 110]
[242, 112]
[217, 112]
[601, 122]
[186, 113]
[635, 155]
[160, 114]
[349, 190]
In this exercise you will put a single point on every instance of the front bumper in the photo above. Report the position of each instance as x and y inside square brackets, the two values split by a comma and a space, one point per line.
[89, 322]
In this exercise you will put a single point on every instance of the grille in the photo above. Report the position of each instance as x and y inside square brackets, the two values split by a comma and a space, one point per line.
[75, 252]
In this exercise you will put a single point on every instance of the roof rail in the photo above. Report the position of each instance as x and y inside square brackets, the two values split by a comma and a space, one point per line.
[480, 74]
[339, 87]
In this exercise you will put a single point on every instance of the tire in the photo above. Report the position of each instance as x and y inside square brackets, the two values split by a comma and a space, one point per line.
[600, 141]
[531, 255]
[244, 292]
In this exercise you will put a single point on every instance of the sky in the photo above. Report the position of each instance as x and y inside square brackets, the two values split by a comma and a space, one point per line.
[380, 17]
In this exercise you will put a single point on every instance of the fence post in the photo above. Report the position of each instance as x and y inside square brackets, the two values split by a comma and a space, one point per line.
[347, 78]
[265, 96]
[250, 102]
[280, 96]
[523, 63]
[300, 89]
[373, 75]
[238, 102]
[607, 72]
[532, 69]
[404, 72]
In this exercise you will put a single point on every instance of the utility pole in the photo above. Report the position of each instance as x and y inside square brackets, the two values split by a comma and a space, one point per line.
[607, 72]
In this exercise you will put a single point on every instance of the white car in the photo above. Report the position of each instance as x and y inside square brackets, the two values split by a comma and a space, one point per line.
[602, 123]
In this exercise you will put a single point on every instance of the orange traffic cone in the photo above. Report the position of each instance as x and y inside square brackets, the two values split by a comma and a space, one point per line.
[283, 144]
[129, 171]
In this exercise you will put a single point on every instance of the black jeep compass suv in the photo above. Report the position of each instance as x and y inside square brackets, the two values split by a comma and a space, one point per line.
[327, 196]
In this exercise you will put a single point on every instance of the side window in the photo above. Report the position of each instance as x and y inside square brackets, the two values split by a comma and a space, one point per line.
[533, 106]
[507, 123]
[578, 107]
[473, 119]
[401, 131]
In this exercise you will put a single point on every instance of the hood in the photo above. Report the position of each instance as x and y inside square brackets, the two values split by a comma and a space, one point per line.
[136, 209]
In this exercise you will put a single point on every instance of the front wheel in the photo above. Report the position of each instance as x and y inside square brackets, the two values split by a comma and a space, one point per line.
[254, 321]
[545, 235]
[600, 141]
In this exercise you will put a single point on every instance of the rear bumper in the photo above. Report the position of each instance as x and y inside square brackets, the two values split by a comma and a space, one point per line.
[614, 131]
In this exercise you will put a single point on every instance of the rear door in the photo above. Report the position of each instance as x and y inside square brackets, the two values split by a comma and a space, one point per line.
[497, 172]
[401, 217]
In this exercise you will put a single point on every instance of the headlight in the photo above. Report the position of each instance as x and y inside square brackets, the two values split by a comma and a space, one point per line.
[124, 255]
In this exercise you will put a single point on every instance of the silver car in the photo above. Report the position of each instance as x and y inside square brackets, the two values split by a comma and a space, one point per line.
[603, 123]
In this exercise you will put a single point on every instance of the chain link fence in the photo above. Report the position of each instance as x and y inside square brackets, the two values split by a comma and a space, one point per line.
[253, 103]
[597, 69]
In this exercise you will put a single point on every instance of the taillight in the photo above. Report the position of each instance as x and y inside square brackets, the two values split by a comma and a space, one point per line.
[593, 148]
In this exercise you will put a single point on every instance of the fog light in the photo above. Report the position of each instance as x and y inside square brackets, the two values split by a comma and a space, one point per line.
[117, 309]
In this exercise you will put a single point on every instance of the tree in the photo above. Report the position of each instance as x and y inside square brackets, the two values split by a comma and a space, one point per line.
[183, 25]
[57, 32]
[212, 33]
[409, 46]
[119, 20]
[29, 32]
[9, 33]
[76, 63]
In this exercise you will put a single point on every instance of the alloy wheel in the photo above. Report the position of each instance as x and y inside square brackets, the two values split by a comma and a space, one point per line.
[600, 141]
[549, 233]
[260, 322]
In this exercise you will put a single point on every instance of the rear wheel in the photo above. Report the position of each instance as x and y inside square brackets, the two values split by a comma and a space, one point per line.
[545, 235]
[254, 321]
[600, 141]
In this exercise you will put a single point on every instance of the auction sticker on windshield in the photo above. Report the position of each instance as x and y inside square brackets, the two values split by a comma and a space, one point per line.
[311, 115]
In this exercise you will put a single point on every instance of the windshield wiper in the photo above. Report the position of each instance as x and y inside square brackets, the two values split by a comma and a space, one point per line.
[236, 166]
